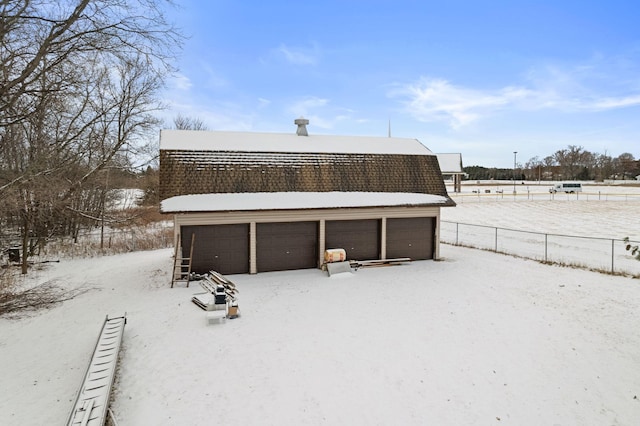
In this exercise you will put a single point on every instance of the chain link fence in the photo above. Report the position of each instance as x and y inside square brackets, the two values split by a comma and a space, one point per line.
[537, 194]
[600, 254]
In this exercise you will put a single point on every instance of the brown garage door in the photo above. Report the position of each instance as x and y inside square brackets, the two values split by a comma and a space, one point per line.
[410, 237]
[286, 245]
[360, 238]
[222, 248]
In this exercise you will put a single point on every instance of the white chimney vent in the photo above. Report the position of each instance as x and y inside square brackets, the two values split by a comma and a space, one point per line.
[302, 126]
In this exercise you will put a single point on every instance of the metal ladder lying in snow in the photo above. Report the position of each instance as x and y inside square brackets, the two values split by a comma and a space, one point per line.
[92, 401]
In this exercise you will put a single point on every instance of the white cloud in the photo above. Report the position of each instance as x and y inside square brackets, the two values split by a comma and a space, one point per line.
[214, 80]
[320, 112]
[600, 84]
[181, 82]
[439, 100]
[299, 56]
[304, 106]
[611, 103]
[578, 89]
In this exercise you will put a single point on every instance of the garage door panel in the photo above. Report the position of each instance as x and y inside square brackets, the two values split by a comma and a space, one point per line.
[222, 248]
[284, 246]
[410, 237]
[359, 238]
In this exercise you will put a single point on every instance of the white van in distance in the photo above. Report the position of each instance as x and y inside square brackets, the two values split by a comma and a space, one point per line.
[569, 187]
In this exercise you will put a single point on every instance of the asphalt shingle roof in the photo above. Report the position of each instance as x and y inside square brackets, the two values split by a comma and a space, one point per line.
[215, 170]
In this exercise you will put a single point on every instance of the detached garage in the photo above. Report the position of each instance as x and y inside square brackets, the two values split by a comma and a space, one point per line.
[260, 202]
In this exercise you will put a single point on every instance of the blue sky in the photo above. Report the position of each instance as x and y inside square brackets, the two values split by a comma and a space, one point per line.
[481, 78]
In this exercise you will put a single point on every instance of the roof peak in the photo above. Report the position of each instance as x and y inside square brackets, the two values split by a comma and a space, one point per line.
[198, 140]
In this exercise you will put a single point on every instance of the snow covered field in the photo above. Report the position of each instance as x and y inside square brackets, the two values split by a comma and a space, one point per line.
[602, 219]
[582, 231]
[477, 338]
[533, 190]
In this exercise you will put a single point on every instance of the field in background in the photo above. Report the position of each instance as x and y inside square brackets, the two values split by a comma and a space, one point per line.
[474, 191]
[584, 229]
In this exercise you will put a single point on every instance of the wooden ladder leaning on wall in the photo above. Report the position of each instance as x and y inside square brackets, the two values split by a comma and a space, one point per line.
[182, 270]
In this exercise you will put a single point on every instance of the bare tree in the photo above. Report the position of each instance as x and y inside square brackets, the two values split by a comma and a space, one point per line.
[79, 86]
[625, 165]
[182, 122]
[38, 37]
[533, 169]
[550, 166]
[603, 167]
[574, 162]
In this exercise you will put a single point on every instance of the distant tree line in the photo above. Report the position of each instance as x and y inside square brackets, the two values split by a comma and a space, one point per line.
[80, 86]
[572, 163]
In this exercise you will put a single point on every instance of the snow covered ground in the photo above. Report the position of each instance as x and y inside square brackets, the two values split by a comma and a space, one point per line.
[602, 219]
[582, 232]
[477, 338]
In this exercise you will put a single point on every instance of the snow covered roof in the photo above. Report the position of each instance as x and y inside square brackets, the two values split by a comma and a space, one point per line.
[203, 162]
[197, 140]
[450, 163]
[294, 201]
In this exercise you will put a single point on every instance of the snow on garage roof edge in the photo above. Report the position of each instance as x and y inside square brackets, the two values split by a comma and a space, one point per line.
[294, 201]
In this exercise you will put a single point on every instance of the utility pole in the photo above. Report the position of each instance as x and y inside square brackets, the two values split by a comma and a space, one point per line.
[515, 153]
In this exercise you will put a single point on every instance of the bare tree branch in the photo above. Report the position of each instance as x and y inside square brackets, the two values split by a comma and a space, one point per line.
[80, 84]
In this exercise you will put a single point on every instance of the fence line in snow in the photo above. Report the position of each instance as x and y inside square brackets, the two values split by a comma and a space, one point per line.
[603, 254]
[524, 194]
